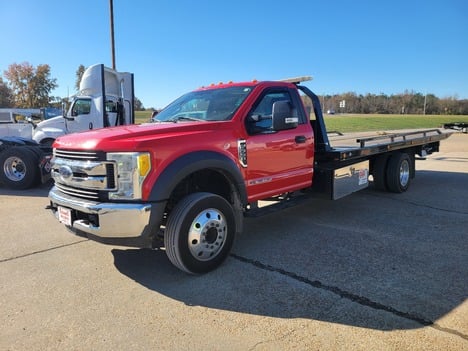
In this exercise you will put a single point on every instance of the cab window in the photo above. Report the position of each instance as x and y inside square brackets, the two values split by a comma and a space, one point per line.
[260, 118]
[111, 106]
[81, 107]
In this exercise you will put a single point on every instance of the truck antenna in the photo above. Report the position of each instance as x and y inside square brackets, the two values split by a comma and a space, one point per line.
[111, 10]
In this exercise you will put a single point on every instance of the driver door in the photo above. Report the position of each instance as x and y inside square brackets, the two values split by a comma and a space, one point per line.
[80, 117]
[278, 161]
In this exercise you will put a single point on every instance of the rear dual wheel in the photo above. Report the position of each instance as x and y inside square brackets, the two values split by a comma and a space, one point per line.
[393, 173]
[19, 167]
[200, 232]
[398, 172]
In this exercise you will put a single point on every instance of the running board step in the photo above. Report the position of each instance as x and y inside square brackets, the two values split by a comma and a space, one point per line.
[278, 204]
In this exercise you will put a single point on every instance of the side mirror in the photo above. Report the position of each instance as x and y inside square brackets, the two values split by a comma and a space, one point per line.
[64, 113]
[282, 116]
[30, 120]
[154, 114]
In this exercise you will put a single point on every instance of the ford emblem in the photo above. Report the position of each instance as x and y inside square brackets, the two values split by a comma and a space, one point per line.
[65, 172]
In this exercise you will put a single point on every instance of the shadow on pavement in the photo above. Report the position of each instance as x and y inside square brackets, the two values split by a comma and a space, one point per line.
[373, 260]
[39, 191]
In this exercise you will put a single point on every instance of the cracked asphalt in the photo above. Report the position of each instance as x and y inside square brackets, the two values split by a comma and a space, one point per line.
[372, 271]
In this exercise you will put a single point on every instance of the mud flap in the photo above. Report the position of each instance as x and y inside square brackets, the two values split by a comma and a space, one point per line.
[45, 168]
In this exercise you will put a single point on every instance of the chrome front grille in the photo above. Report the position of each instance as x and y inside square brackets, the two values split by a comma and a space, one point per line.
[83, 174]
[79, 155]
[84, 194]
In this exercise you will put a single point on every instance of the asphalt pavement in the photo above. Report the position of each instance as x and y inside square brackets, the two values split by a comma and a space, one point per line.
[371, 271]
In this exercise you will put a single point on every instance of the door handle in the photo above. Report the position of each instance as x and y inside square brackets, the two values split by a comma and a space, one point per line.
[300, 139]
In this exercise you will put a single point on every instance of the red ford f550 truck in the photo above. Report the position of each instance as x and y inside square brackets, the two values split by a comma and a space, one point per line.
[207, 160]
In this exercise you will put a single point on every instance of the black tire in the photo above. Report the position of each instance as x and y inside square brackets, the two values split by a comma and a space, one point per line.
[47, 142]
[399, 170]
[36, 150]
[19, 167]
[200, 232]
[379, 173]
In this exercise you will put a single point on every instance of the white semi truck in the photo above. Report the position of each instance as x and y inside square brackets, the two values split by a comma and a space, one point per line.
[105, 99]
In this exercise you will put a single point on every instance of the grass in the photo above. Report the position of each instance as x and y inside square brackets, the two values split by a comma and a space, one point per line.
[142, 116]
[360, 123]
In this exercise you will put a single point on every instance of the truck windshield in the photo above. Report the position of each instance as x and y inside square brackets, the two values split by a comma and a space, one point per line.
[205, 105]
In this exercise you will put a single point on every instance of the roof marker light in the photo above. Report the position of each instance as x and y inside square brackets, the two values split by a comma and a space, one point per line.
[296, 80]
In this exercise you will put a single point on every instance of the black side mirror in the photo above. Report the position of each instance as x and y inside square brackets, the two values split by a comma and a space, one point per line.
[64, 114]
[282, 116]
[30, 120]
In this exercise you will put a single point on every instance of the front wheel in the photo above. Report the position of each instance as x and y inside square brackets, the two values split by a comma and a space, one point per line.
[200, 232]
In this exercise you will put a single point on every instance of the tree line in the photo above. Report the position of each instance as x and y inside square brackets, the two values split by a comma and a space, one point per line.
[26, 86]
[408, 102]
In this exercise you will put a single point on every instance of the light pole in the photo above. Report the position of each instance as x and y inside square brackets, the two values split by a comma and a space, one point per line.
[425, 98]
[111, 10]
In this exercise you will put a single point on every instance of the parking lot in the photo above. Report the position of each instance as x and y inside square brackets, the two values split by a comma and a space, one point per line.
[372, 271]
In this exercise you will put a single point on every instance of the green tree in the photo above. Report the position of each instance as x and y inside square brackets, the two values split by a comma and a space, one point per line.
[30, 86]
[138, 105]
[5, 94]
[79, 74]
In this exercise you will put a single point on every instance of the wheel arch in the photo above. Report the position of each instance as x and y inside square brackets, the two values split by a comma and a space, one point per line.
[206, 170]
[9, 141]
[381, 160]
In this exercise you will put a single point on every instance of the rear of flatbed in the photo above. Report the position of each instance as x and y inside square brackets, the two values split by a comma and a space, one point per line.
[343, 163]
[356, 146]
[343, 167]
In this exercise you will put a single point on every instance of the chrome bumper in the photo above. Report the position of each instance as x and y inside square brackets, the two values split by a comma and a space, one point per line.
[116, 220]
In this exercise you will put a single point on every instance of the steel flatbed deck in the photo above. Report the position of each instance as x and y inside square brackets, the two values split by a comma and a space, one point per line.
[334, 150]
[344, 147]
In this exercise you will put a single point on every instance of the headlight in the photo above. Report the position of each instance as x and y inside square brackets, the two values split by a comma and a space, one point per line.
[131, 169]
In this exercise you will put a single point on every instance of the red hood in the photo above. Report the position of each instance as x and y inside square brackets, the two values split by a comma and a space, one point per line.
[131, 137]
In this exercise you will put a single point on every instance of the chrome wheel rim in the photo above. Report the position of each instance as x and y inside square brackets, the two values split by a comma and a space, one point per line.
[207, 234]
[14, 169]
[404, 173]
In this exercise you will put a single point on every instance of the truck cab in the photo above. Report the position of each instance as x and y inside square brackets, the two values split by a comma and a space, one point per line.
[105, 99]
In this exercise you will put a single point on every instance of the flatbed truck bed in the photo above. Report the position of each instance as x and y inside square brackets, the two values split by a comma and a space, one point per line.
[364, 144]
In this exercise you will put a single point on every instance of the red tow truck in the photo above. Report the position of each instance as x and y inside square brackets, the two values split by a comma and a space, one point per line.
[207, 159]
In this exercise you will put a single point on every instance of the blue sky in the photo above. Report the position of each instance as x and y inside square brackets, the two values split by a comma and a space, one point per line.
[176, 46]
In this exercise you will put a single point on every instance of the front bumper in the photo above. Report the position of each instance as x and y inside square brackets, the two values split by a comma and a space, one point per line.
[104, 220]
